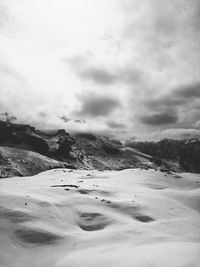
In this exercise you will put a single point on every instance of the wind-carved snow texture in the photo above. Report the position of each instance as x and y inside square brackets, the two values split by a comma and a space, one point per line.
[64, 218]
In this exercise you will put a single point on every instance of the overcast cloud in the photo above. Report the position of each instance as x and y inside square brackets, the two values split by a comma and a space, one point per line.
[127, 68]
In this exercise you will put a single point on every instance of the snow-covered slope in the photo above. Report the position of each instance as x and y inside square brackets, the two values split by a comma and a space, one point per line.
[20, 162]
[77, 218]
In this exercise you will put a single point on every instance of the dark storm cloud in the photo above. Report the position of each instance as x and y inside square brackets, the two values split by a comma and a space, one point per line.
[188, 91]
[113, 124]
[159, 119]
[150, 47]
[181, 100]
[80, 121]
[165, 103]
[175, 16]
[103, 75]
[65, 119]
[99, 75]
[42, 114]
[94, 106]
[177, 98]
[86, 70]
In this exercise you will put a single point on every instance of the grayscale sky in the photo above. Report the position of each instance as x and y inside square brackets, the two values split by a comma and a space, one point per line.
[126, 68]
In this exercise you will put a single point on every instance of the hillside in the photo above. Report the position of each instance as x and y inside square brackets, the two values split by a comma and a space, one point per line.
[104, 153]
[186, 153]
[20, 162]
[52, 144]
[25, 150]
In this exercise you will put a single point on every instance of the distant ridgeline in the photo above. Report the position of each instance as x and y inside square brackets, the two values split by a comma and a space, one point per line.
[27, 137]
[24, 150]
[185, 152]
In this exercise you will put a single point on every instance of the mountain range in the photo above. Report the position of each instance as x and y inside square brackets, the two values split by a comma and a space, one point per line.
[185, 153]
[25, 151]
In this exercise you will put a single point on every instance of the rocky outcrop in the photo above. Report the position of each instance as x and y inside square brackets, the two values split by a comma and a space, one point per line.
[184, 153]
[25, 150]
[20, 162]
[106, 154]
[82, 151]
[57, 143]
[25, 144]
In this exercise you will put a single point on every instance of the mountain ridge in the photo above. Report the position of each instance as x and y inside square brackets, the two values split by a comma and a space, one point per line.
[25, 150]
[184, 152]
[58, 148]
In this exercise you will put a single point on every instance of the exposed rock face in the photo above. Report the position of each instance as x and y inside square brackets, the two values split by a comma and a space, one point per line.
[26, 137]
[106, 154]
[20, 162]
[186, 153]
[27, 151]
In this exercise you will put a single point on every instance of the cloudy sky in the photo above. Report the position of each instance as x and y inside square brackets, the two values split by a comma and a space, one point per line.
[126, 68]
